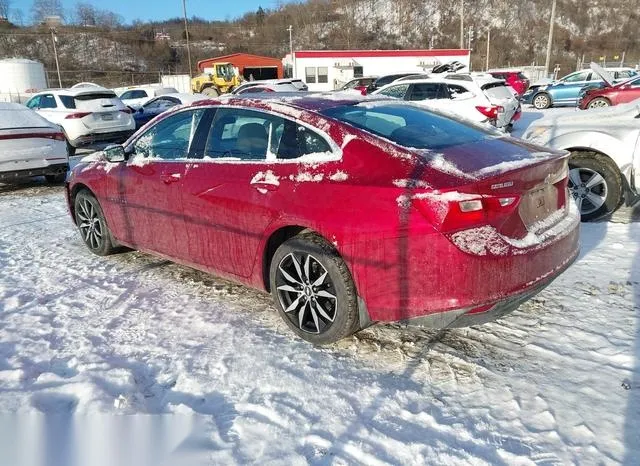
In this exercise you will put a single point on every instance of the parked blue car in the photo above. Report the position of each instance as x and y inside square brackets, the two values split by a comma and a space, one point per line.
[566, 91]
[157, 105]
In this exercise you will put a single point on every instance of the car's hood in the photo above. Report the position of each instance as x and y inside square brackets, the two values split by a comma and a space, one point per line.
[604, 74]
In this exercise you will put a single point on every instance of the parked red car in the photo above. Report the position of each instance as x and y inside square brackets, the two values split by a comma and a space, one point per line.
[514, 78]
[620, 93]
[348, 210]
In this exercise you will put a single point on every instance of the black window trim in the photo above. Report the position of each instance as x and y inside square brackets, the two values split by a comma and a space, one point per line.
[336, 151]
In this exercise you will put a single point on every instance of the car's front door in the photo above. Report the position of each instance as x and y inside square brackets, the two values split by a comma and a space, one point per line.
[151, 183]
[631, 91]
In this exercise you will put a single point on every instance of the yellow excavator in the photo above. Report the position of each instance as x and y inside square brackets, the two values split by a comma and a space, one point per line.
[221, 79]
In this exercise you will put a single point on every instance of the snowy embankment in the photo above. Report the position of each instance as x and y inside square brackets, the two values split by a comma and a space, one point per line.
[83, 338]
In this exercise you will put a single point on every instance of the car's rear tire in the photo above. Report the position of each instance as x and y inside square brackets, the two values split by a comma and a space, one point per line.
[595, 182]
[55, 179]
[313, 290]
[92, 225]
[599, 102]
[542, 101]
[71, 151]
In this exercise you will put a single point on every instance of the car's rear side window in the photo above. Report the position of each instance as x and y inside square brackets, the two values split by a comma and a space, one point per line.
[68, 101]
[497, 91]
[258, 136]
[408, 125]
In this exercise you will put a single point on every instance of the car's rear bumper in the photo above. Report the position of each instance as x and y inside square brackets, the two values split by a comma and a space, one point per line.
[426, 273]
[477, 316]
[53, 169]
[88, 139]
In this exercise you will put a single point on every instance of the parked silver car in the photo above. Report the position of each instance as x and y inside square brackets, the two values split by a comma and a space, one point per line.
[605, 154]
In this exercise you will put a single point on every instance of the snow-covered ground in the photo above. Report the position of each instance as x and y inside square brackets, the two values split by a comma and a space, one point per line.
[90, 346]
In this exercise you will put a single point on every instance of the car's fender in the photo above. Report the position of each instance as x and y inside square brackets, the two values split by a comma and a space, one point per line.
[620, 151]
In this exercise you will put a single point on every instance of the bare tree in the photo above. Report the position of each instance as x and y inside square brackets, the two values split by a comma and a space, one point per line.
[43, 8]
[5, 8]
[85, 14]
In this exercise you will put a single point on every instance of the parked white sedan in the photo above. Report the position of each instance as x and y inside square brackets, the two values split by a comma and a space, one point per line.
[477, 98]
[604, 168]
[30, 146]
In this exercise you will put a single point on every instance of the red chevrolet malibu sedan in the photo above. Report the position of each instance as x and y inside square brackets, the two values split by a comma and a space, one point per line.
[349, 210]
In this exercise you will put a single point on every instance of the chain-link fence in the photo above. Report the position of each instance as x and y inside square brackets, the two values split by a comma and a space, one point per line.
[109, 79]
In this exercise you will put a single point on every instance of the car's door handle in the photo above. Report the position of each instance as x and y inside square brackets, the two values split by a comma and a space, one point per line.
[168, 178]
[264, 185]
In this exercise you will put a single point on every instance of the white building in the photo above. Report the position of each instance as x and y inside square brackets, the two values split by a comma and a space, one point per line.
[325, 70]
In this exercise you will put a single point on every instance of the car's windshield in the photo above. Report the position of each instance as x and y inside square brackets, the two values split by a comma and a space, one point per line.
[409, 126]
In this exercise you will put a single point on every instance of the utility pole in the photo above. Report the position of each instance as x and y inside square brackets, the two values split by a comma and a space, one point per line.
[186, 33]
[54, 39]
[550, 40]
[488, 43]
[293, 62]
[462, 24]
[624, 52]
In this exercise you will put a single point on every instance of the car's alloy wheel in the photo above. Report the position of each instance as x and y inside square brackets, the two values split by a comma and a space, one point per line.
[588, 188]
[313, 289]
[92, 224]
[599, 103]
[595, 183]
[541, 101]
[306, 293]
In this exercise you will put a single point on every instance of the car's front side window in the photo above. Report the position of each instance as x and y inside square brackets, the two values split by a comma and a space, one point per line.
[34, 102]
[171, 138]
[577, 77]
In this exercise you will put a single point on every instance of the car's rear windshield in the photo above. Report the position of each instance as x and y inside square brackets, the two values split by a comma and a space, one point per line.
[408, 126]
[497, 91]
[70, 101]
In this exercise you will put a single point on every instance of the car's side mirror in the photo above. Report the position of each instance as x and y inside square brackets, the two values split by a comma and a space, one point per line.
[115, 153]
[141, 110]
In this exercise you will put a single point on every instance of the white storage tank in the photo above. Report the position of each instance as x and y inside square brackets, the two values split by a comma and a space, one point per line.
[20, 78]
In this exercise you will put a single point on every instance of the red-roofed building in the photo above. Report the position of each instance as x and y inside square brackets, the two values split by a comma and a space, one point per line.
[249, 66]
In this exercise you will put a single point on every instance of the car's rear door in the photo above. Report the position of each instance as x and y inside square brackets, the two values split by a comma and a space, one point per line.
[151, 181]
[240, 188]
[228, 195]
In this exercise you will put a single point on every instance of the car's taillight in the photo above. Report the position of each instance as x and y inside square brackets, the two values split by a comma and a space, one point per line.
[56, 136]
[451, 212]
[490, 112]
[75, 116]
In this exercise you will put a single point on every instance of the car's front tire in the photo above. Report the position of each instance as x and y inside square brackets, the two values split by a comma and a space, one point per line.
[542, 101]
[599, 102]
[595, 182]
[313, 290]
[55, 179]
[92, 225]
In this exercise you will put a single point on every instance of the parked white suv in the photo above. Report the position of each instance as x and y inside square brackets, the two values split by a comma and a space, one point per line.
[30, 145]
[87, 115]
[475, 97]
[136, 97]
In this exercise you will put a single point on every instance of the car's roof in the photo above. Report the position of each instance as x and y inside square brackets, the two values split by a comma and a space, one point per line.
[182, 97]
[505, 70]
[76, 91]
[310, 101]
